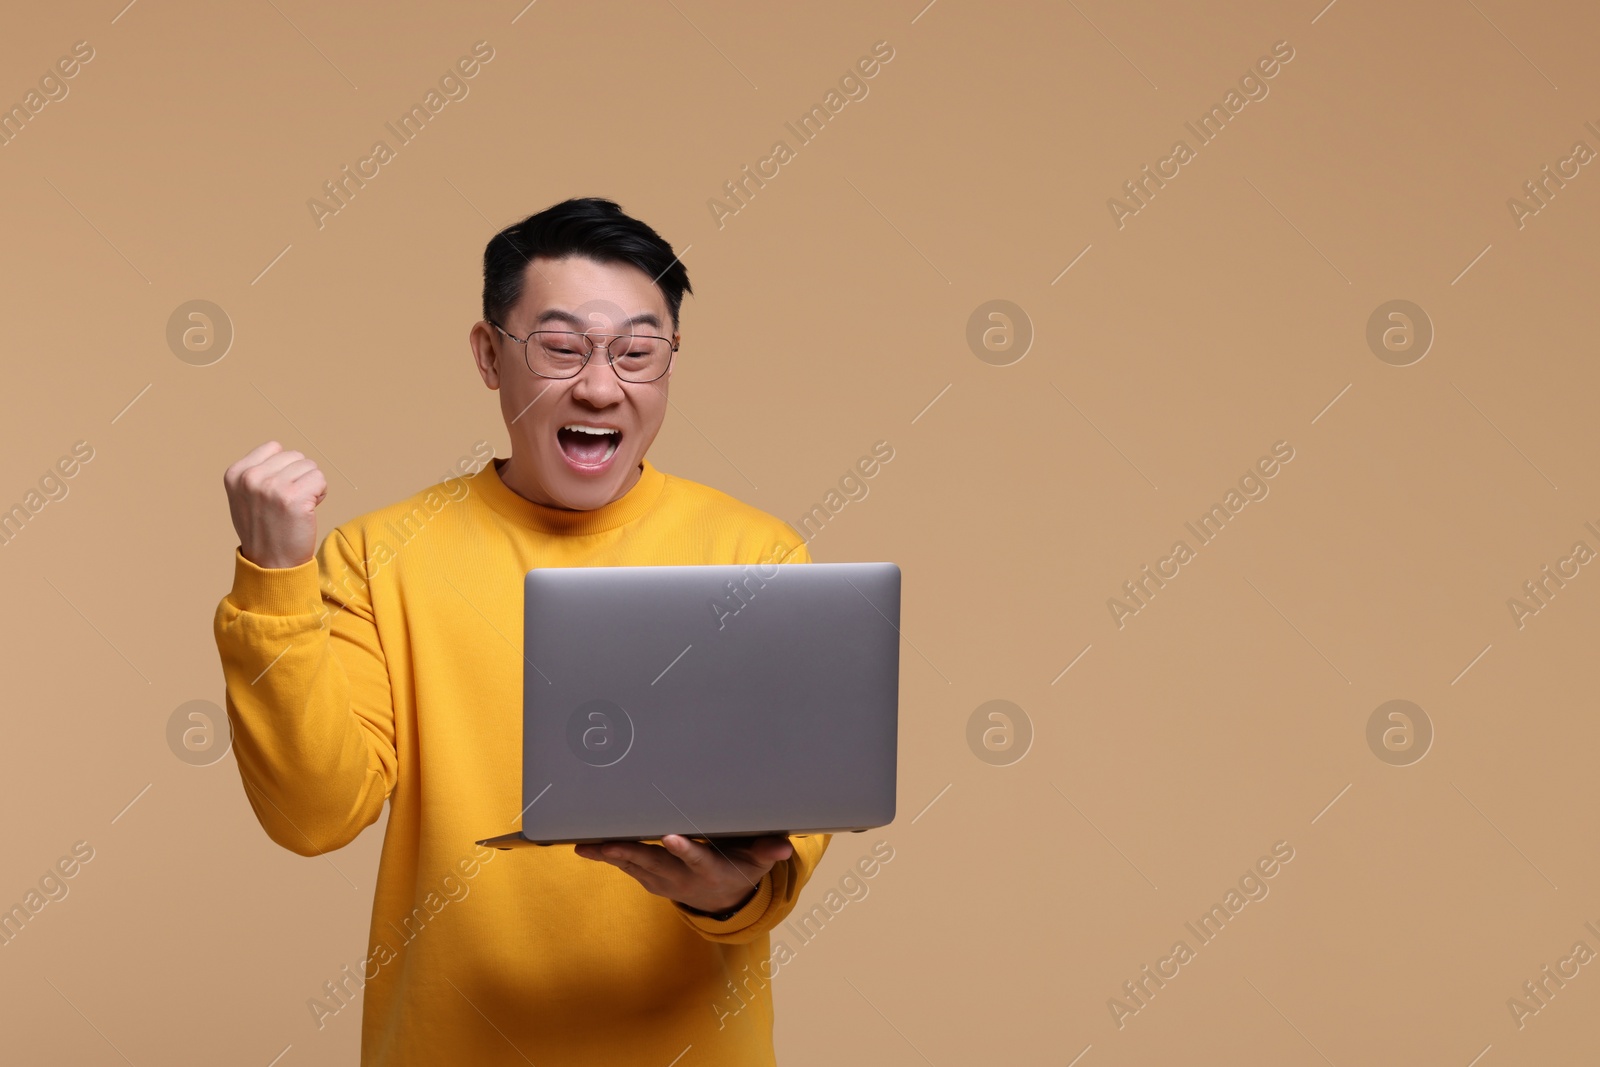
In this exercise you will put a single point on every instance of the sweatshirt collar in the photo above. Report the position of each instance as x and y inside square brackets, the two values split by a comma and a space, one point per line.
[629, 506]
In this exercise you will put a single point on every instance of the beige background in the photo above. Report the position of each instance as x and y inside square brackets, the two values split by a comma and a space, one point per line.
[1228, 314]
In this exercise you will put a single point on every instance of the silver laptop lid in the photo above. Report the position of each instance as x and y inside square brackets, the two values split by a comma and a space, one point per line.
[709, 700]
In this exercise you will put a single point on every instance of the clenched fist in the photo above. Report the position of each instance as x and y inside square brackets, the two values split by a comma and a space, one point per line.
[273, 495]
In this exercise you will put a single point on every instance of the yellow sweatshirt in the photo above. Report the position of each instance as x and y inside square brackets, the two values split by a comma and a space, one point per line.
[390, 667]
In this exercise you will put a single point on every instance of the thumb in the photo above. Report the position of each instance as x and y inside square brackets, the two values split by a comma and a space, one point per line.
[692, 854]
[773, 849]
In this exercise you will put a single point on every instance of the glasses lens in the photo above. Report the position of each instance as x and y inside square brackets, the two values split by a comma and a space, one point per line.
[556, 354]
[639, 358]
[562, 354]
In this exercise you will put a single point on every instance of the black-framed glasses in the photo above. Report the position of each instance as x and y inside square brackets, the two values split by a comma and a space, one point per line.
[634, 357]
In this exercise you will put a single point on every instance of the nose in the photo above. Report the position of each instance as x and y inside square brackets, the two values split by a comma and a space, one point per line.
[597, 384]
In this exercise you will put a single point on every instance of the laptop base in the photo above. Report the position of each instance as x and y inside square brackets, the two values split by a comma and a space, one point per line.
[515, 839]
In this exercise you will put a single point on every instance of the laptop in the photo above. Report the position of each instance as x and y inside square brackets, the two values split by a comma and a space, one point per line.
[708, 701]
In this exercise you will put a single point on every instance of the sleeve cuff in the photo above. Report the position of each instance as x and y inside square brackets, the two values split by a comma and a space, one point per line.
[745, 916]
[275, 590]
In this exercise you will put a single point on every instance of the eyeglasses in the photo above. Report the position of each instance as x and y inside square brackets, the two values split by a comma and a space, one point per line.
[635, 357]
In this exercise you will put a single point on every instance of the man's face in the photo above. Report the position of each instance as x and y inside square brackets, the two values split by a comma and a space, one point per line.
[553, 463]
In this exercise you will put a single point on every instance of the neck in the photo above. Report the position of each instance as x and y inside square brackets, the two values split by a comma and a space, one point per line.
[518, 478]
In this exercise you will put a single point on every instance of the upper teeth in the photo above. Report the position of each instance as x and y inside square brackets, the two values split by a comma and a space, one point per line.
[580, 428]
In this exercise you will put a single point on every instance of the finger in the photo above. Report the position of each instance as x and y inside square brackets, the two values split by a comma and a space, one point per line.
[593, 850]
[761, 851]
[632, 858]
[693, 855]
[293, 472]
[626, 859]
[647, 858]
[651, 883]
[722, 862]
[250, 459]
[277, 462]
[773, 849]
[317, 482]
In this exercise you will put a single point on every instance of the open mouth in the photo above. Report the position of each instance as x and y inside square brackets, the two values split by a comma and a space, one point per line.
[585, 445]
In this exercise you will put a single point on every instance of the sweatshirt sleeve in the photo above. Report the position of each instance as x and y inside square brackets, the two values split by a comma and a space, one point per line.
[779, 889]
[308, 697]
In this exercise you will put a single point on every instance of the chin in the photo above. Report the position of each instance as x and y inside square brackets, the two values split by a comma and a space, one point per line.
[586, 490]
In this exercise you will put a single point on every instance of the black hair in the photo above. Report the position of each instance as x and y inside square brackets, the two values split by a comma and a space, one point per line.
[590, 226]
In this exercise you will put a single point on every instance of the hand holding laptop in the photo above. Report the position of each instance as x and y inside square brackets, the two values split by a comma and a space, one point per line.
[705, 876]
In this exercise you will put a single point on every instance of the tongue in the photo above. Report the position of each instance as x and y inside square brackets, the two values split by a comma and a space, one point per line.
[586, 448]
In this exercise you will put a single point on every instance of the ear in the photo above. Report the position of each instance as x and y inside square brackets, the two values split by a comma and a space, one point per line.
[483, 340]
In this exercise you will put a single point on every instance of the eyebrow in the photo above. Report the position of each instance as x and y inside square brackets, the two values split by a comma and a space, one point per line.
[558, 315]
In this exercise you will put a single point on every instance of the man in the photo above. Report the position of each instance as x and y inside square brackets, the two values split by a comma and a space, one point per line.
[387, 665]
